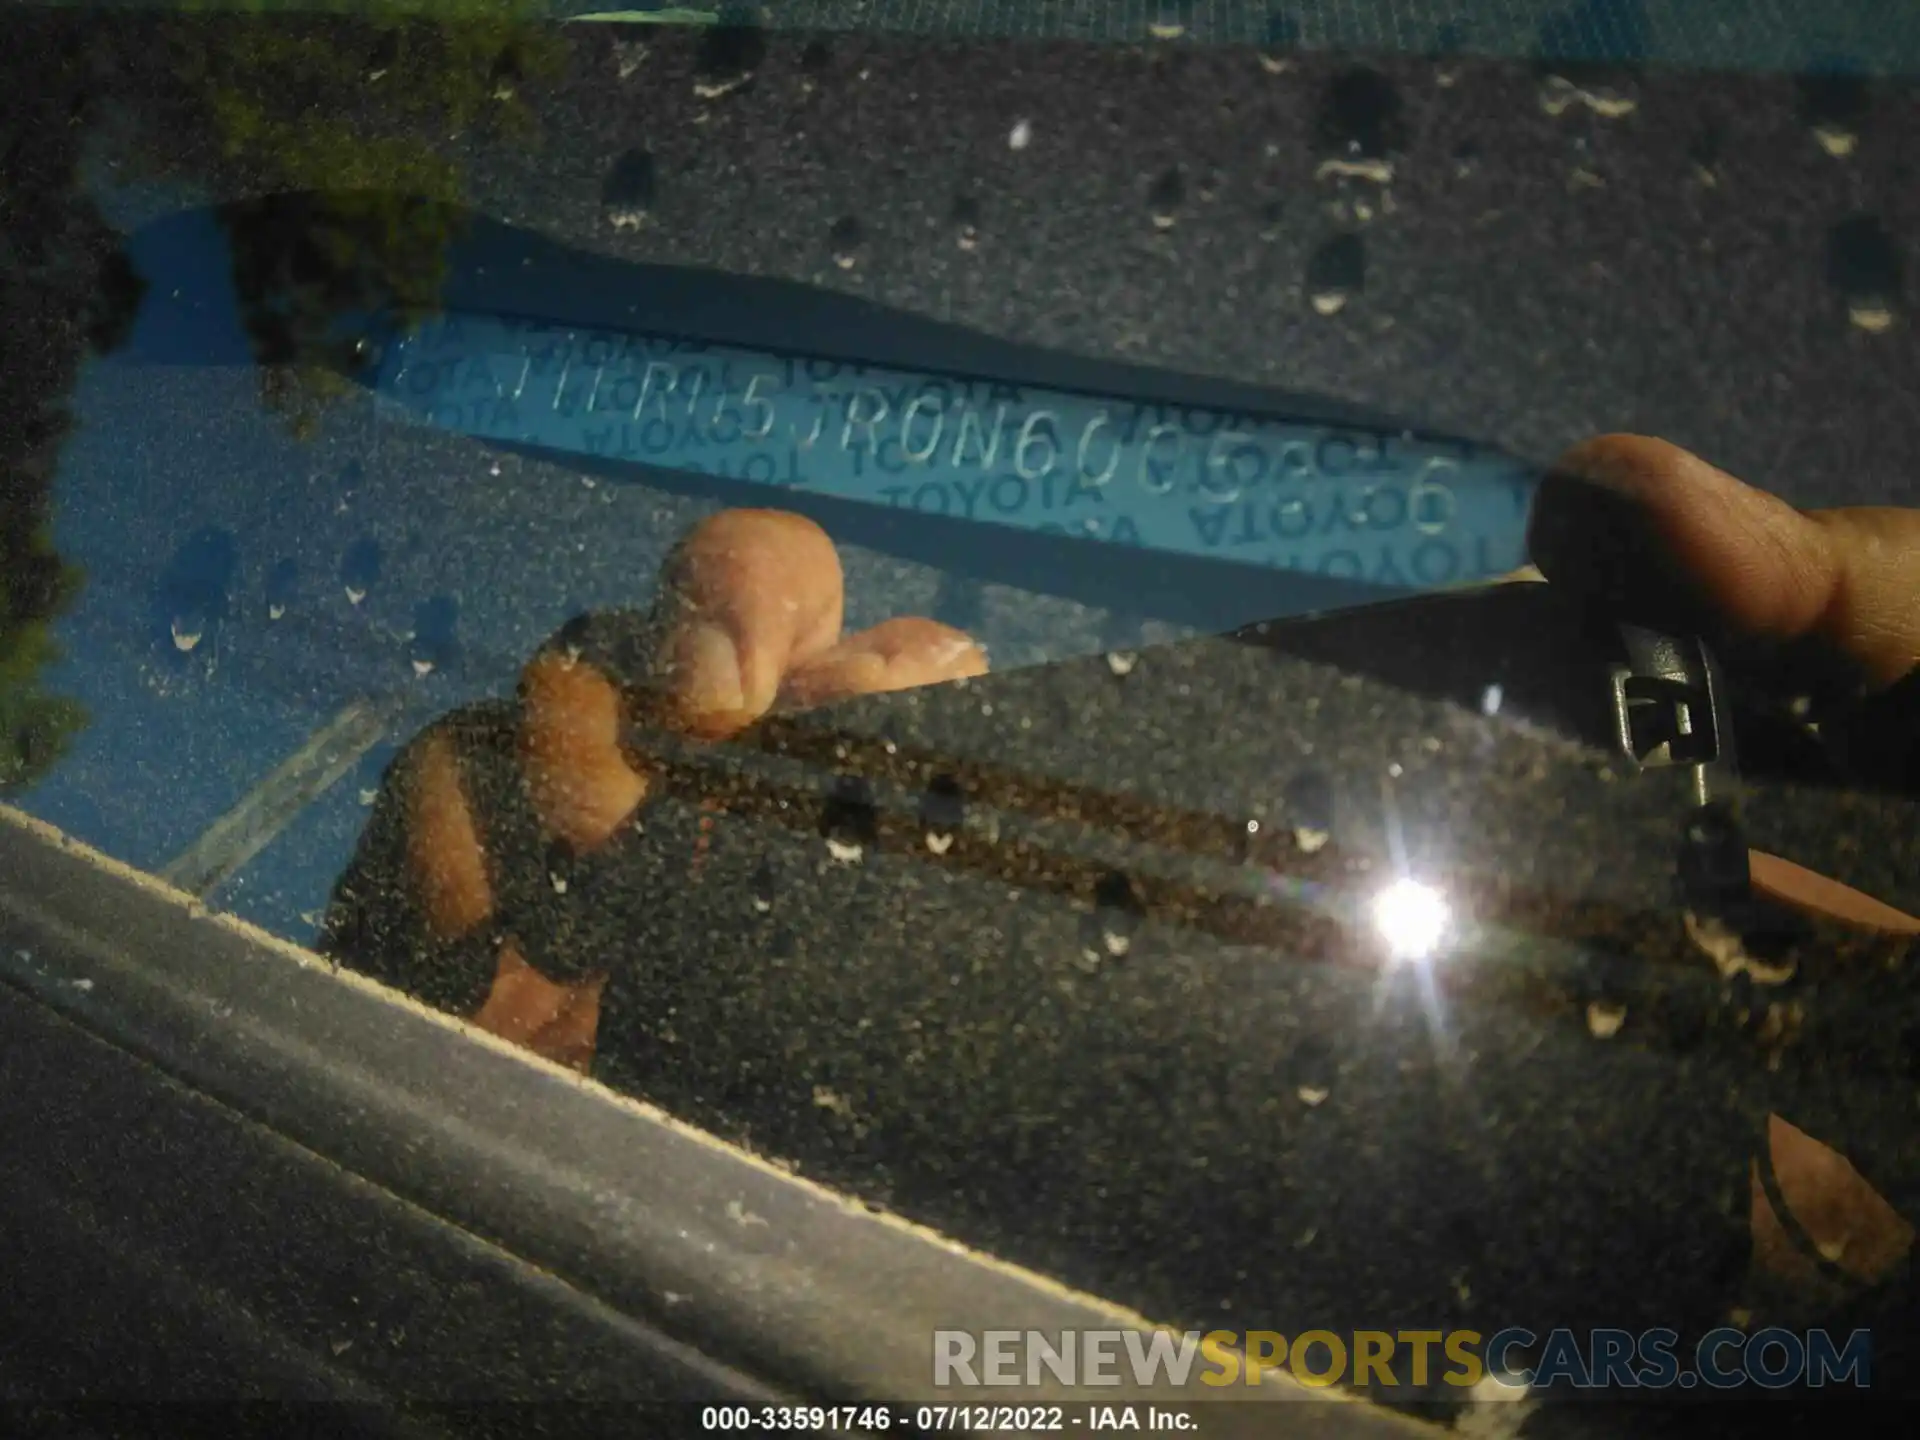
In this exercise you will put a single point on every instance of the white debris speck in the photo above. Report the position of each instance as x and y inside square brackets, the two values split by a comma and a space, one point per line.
[968, 238]
[354, 597]
[494, 468]
[1874, 319]
[762, 904]
[674, 1297]
[1166, 29]
[1330, 302]
[274, 612]
[1021, 135]
[846, 260]
[367, 797]
[1490, 700]
[1311, 1095]
[1121, 662]
[423, 668]
[1559, 94]
[340, 1347]
[939, 842]
[847, 852]
[1309, 841]
[629, 57]
[829, 1099]
[83, 986]
[1836, 140]
[629, 218]
[1116, 943]
[1276, 64]
[1604, 1021]
[1581, 178]
[1396, 769]
[740, 1215]
[559, 883]
[1446, 79]
[1378, 171]
[186, 634]
[1163, 221]
[714, 89]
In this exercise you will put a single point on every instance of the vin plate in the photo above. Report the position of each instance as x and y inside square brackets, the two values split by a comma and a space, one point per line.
[1387, 508]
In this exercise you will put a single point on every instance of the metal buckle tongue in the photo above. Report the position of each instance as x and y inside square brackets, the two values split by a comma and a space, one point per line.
[1670, 708]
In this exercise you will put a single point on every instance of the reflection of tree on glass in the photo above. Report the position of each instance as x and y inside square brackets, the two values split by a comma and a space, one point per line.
[354, 114]
[68, 289]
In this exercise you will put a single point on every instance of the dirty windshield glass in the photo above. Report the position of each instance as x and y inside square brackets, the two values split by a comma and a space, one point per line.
[1259, 657]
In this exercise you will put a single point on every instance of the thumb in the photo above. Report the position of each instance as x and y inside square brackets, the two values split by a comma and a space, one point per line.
[1659, 536]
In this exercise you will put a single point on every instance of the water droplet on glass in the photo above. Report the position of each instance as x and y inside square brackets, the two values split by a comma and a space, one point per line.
[844, 241]
[1336, 272]
[434, 642]
[849, 821]
[943, 810]
[1165, 196]
[1360, 115]
[1108, 932]
[360, 569]
[627, 194]
[966, 221]
[733, 48]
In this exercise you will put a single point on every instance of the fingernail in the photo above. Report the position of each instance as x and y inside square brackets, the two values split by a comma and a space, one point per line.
[1588, 536]
[706, 677]
[957, 648]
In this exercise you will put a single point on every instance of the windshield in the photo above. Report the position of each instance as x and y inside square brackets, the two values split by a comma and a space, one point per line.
[1025, 616]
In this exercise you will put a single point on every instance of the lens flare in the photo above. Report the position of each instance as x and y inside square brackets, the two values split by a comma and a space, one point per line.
[1412, 918]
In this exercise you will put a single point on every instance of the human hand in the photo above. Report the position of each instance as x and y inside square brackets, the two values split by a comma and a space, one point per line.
[748, 621]
[1824, 603]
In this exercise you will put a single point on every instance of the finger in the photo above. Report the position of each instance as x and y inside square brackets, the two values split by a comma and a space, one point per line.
[895, 655]
[1820, 895]
[578, 779]
[1660, 536]
[447, 863]
[748, 596]
[1850, 1222]
[527, 1009]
